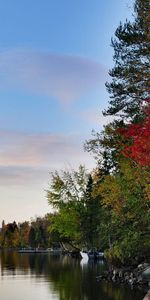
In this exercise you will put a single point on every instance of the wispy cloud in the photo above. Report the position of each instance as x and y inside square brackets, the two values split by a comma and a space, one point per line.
[95, 116]
[65, 77]
[29, 157]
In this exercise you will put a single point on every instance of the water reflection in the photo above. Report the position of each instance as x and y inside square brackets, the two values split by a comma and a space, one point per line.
[66, 278]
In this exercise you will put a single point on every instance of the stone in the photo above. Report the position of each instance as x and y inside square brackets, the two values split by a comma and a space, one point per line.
[146, 272]
[147, 296]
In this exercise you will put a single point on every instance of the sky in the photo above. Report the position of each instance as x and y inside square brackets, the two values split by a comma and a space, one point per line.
[54, 61]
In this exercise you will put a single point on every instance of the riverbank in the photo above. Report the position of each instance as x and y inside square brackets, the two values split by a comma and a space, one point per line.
[134, 276]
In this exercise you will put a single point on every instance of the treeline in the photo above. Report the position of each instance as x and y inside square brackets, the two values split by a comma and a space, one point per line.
[34, 234]
[110, 208]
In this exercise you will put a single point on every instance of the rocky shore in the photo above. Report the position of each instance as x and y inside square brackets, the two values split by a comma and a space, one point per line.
[134, 276]
[147, 296]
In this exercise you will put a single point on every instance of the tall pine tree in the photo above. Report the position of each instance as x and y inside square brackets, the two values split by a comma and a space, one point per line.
[130, 75]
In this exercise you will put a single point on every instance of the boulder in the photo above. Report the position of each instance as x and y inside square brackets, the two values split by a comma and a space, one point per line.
[146, 272]
[147, 296]
[146, 276]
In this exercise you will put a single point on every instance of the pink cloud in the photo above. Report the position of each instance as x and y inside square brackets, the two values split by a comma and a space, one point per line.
[22, 155]
[65, 77]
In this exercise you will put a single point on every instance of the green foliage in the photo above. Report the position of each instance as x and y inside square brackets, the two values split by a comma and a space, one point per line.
[126, 195]
[130, 75]
[90, 218]
[66, 194]
[67, 187]
[24, 229]
[66, 223]
[106, 147]
[78, 214]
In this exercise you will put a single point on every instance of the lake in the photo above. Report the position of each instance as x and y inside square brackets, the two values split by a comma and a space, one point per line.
[45, 277]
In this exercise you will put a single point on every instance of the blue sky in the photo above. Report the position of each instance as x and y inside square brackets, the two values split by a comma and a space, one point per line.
[54, 61]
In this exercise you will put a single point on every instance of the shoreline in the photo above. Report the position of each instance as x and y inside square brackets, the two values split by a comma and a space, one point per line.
[135, 277]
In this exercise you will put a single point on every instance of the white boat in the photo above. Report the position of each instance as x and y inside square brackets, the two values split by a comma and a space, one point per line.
[84, 255]
[92, 254]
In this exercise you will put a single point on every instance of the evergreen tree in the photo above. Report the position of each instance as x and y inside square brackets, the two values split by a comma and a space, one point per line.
[32, 238]
[130, 76]
[130, 86]
[90, 217]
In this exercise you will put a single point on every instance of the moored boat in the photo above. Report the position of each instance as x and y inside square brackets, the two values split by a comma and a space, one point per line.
[84, 255]
[94, 254]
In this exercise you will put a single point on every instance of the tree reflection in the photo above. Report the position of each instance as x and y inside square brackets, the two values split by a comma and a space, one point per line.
[66, 276]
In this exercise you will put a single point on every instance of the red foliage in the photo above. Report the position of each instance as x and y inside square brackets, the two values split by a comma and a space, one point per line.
[138, 148]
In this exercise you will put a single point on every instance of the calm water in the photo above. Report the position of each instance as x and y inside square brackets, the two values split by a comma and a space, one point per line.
[46, 277]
